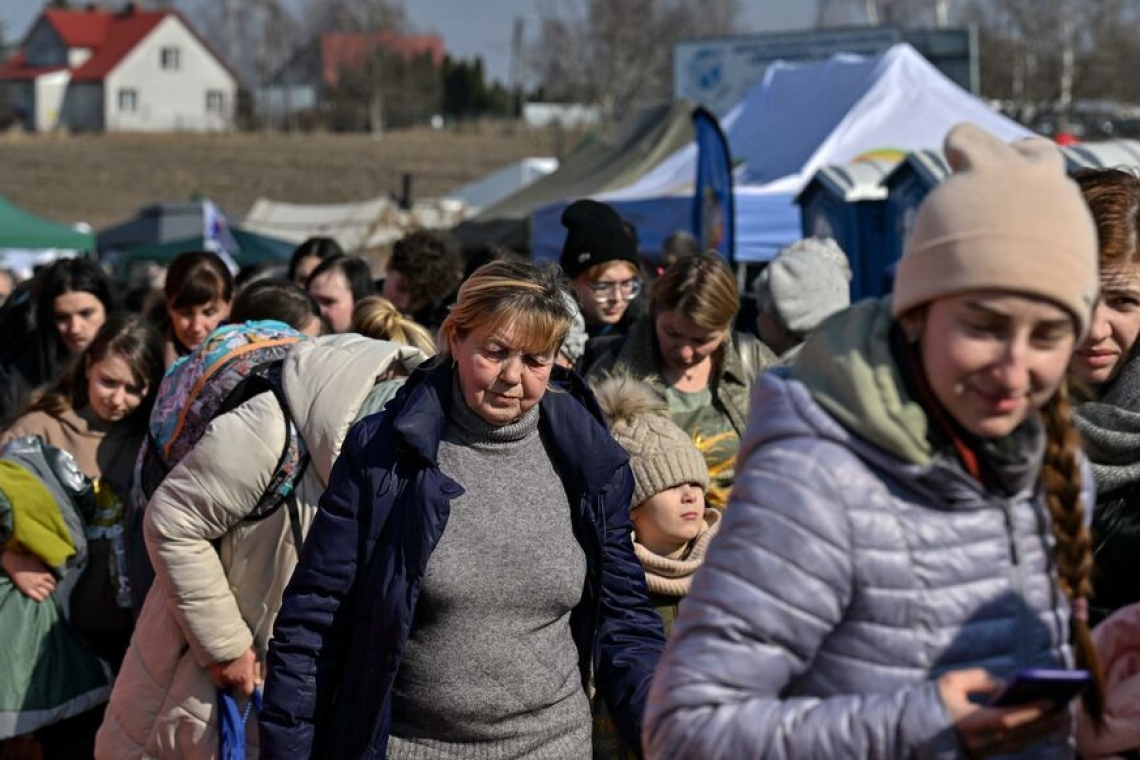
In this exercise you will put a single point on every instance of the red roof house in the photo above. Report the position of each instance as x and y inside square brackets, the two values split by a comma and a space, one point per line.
[127, 70]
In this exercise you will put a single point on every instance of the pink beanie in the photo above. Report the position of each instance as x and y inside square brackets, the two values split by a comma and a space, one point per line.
[1008, 218]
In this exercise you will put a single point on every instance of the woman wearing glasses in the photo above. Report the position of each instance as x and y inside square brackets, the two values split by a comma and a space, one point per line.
[688, 344]
[600, 258]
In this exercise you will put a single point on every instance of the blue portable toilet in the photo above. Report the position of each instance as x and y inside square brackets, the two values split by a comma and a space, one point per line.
[906, 186]
[846, 203]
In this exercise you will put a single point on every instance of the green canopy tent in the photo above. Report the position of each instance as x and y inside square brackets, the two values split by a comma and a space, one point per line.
[24, 231]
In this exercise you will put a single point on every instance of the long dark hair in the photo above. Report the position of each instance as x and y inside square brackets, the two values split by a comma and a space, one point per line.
[127, 336]
[59, 278]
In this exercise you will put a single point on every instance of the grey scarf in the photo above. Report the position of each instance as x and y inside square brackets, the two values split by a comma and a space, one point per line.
[1110, 430]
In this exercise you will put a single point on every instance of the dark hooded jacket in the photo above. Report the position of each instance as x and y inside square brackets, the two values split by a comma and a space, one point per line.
[348, 610]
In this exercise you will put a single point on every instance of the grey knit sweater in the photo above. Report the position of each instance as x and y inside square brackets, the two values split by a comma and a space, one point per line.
[490, 669]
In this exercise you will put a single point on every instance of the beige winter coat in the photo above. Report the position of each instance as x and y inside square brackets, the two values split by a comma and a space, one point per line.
[219, 578]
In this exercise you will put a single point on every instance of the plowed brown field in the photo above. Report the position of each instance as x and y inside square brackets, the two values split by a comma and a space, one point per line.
[104, 179]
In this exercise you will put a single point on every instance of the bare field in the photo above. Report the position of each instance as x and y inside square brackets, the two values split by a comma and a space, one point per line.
[104, 179]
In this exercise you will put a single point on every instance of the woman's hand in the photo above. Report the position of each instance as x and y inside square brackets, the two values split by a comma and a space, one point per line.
[29, 574]
[994, 730]
[243, 673]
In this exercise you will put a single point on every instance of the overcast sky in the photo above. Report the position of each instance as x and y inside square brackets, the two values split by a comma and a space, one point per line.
[479, 27]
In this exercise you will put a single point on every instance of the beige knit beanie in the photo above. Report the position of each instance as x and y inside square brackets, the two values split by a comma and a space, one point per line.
[661, 455]
[1008, 218]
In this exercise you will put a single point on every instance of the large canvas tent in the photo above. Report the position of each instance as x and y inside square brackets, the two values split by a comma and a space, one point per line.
[798, 119]
[358, 226]
[606, 160]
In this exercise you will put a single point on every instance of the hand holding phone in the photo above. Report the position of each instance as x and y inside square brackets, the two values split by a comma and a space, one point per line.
[1038, 685]
[986, 729]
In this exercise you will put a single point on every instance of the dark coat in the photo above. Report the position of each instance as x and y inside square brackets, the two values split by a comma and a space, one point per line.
[347, 612]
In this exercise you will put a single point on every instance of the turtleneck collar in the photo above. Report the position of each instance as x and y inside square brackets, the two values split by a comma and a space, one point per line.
[471, 429]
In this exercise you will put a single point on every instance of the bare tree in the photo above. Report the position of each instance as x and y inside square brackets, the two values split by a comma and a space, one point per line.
[353, 15]
[618, 53]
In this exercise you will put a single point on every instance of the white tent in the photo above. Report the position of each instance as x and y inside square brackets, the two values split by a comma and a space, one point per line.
[492, 188]
[357, 227]
[800, 118]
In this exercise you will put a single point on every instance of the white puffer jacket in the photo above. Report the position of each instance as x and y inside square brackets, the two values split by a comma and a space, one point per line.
[219, 577]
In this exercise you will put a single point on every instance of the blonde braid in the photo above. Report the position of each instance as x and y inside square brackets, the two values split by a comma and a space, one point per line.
[1061, 478]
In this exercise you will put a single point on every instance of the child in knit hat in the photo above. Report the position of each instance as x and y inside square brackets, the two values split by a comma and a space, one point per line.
[672, 525]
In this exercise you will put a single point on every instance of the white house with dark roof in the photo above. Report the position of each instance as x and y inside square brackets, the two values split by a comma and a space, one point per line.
[132, 71]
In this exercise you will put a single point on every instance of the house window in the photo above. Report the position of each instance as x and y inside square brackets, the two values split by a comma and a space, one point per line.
[215, 101]
[128, 99]
[170, 58]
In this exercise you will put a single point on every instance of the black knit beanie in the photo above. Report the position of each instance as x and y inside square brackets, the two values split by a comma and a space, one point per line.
[594, 234]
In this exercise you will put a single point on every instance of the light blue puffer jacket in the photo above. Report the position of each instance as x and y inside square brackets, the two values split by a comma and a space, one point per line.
[846, 578]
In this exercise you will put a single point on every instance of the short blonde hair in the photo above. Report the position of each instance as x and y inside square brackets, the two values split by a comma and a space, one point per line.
[377, 317]
[520, 294]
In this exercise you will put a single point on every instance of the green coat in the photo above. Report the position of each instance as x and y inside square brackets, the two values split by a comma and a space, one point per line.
[47, 672]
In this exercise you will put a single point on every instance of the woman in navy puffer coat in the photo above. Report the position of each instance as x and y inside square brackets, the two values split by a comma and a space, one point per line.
[441, 608]
[907, 525]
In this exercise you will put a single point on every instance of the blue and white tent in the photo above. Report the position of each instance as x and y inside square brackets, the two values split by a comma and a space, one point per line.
[799, 119]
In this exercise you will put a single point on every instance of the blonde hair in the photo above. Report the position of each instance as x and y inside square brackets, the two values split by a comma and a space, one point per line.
[701, 287]
[377, 317]
[520, 294]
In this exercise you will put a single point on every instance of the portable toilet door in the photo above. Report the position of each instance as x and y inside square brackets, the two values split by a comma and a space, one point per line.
[846, 203]
[914, 177]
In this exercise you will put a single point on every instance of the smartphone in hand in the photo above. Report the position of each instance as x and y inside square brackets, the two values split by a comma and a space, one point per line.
[1038, 685]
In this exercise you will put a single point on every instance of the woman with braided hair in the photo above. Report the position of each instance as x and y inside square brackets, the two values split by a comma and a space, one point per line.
[908, 529]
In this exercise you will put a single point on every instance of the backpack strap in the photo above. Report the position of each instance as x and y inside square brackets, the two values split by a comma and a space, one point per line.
[295, 521]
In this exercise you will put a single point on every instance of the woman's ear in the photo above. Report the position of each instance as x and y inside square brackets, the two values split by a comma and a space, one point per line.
[912, 324]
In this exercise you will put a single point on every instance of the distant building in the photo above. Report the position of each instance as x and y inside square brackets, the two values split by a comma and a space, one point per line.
[569, 115]
[130, 71]
[305, 83]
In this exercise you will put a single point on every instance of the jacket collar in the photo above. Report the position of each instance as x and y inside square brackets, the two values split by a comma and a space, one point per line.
[580, 446]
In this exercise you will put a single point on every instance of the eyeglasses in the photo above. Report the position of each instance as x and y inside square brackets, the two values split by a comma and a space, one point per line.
[607, 290]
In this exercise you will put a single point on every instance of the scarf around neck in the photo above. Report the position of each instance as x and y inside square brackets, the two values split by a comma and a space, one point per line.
[673, 577]
[1110, 431]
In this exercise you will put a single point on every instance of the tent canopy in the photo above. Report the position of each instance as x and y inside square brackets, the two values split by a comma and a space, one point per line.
[605, 160]
[502, 183]
[356, 227]
[800, 118]
[157, 223]
[254, 249]
[22, 230]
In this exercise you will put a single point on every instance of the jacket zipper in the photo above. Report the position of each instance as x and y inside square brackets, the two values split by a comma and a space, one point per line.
[1015, 577]
[597, 518]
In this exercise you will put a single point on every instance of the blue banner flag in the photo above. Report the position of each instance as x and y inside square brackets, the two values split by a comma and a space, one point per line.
[713, 216]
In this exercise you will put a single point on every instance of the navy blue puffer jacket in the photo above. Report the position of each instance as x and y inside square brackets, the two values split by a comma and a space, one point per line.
[348, 610]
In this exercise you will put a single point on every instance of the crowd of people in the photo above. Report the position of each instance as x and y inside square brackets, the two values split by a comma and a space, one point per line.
[490, 507]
